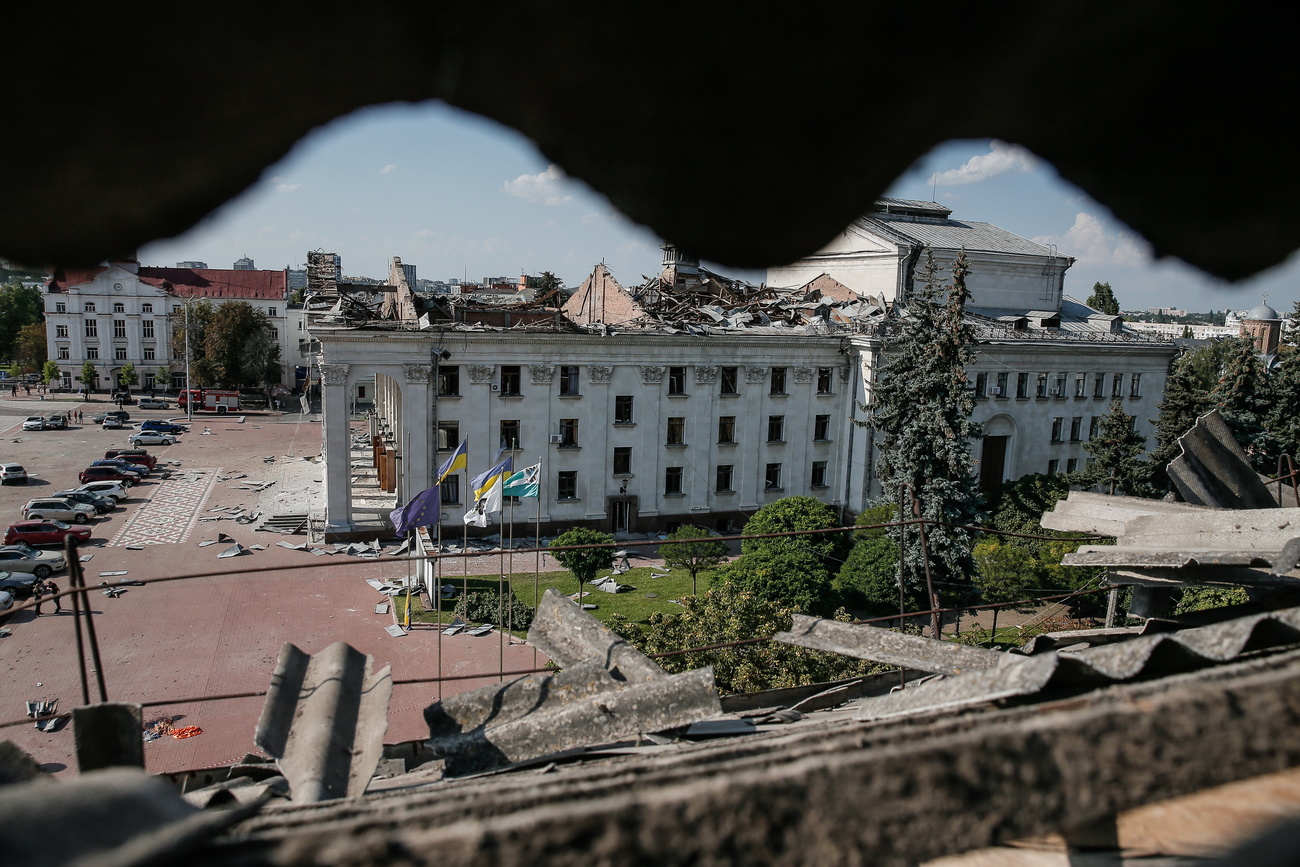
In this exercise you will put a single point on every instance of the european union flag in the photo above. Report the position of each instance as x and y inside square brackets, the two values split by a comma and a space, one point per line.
[424, 509]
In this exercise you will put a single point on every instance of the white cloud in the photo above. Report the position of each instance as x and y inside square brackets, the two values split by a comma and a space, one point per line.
[1000, 159]
[1090, 243]
[283, 186]
[388, 169]
[546, 187]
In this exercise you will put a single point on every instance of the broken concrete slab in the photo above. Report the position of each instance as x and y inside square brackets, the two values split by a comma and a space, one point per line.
[564, 633]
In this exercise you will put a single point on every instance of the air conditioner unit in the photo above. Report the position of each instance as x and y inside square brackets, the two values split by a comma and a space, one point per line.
[995, 391]
[496, 387]
[557, 439]
[1056, 392]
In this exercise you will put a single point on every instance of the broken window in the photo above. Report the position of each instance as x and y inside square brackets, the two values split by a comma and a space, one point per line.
[623, 461]
[1058, 390]
[1058, 424]
[822, 428]
[981, 384]
[569, 380]
[568, 432]
[1000, 390]
[1135, 385]
[449, 381]
[509, 433]
[623, 409]
[776, 428]
[727, 429]
[449, 490]
[1022, 385]
[722, 478]
[677, 380]
[1117, 385]
[448, 435]
[672, 481]
[819, 474]
[1041, 390]
[825, 376]
[730, 380]
[510, 378]
[1076, 428]
[772, 477]
[777, 382]
[566, 486]
[1099, 385]
[676, 431]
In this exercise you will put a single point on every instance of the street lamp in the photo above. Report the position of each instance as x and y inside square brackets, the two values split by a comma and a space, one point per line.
[189, 392]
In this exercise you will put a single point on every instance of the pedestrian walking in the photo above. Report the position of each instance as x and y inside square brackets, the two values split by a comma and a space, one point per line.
[52, 590]
[37, 595]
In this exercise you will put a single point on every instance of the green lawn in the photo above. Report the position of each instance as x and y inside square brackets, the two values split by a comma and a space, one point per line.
[636, 605]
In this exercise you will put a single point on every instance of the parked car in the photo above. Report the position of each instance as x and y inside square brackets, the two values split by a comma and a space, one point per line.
[6, 600]
[101, 504]
[121, 414]
[34, 422]
[61, 510]
[151, 438]
[152, 403]
[109, 490]
[135, 456]
[122, 464]
[17, 583]
[45, 533]
[162, 426]
[13, 474]
[107, 474]
[58, 421]
[25, 558]
[111, 423]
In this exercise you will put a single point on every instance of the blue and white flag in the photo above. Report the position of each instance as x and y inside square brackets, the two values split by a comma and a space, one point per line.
[524, 483]
[487, 493]
[424, 509]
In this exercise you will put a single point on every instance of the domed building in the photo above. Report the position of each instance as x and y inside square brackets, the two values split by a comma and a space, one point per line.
[1263, 325]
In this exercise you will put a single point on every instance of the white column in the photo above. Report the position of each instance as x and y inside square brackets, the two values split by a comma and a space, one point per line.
[336, 446]
[417, 464]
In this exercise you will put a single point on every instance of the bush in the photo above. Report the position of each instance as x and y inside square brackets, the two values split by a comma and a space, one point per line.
[586, 563]
[484, 606]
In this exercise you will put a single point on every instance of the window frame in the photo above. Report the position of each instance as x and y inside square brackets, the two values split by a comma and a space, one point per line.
[772, 477]
[822, 428]
[622, 461]
[825, 380]
[776, 425]
[92, 327]
[505, 426]
[448, 380]
[674, 479]
[511, 380]
[729, 381]
[566, 485]
[624, 402]
[448, 426]
[777, 381]
[818, 478]
[677, 380]
[675, 431]
[570, 380]
[727, 429]
[724, 472]
[568, 433]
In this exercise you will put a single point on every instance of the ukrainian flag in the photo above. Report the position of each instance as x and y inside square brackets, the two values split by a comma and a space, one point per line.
[459, 460]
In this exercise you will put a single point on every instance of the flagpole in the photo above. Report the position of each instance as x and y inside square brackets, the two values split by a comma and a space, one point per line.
[537, 549]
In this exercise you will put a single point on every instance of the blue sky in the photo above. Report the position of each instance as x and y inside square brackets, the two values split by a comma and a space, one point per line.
[459, 196]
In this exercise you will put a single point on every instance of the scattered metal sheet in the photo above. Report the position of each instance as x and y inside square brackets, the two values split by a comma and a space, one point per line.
[291, 546]
[207, 542]
[233, 551]
[455, 627]
[376, 583]
[479, 631]
[892, 648]
[85, 558]
[568, 636]
[324, 720]
[395, 630]
[1213, 470]
[44, 707]
[134, 547]
[583, 706]
[381, 607]
[113, 573]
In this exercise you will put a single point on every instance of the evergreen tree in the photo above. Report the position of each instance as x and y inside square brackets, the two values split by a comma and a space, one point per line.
[1187, 398]
[923, 407]
[1282, 420]
[1117, 465]
[1103, 299]
[1291, 336]
[1242, 398]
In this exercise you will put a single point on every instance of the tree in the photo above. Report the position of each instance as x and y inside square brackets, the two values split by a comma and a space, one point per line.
[790, 514]
[163, 377]
[88, 375]
[1103, 299]
[695, 556]
[189, 329]
[868, 580]
[1242, 398]
[1187, 398]
[1003, 573]
[584, 563]
[128, 376]
[240, 343]
[1283, 416]
[31, 346]
[19, 305]
[923, 407]
[51, 372]
[1116, 452]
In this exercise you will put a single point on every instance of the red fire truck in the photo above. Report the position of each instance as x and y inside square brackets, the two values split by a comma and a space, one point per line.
[218, 400]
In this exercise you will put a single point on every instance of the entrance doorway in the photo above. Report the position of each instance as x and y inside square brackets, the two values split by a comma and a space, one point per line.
[993, 463]
[622, 514]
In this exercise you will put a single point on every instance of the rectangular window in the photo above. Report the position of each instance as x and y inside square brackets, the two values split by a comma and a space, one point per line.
[90, 307]
[92, 328]
[1053, 467]
[1058, 424]
[1000, 390]
[119, 328]
[1135, 385]
[566, 487]
[146, 328]
[146, 308]
[568, 432]
[509, 433]
[1092, 426]
[1099, 385]
[60, 331]
[819, 474]
[1022, 385]
[119, 353]
[149, 381]
[672, 481]
[822, 428]
[730, 380]
[777, 382]
[1072, 465]
[448, 435]
[722, 478]
[361, 392]
[676, 431]
[569, 380]
[510, 379]
[92, 352]
[677, 380]
[825, 376]
[623, 409]
[776, 428]
[63, 353]
[727, 429]
[1081, 385]
[772, 477]
[1076, 428]
[1117, 385]
[448, 381]
[981, 384]
[623, 461]
[119, 307]
[271, 311]
[150, 354]
[60, 307]
[449, 490]
[1041, 390]
[1058, 390]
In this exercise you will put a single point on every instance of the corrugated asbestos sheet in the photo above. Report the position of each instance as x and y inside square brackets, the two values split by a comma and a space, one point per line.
[1213, 470]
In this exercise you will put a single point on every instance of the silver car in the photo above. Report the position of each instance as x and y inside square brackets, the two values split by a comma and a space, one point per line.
[24, 558]
[60, 510]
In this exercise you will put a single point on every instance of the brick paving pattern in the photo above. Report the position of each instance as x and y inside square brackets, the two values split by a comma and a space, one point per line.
[172, 510]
